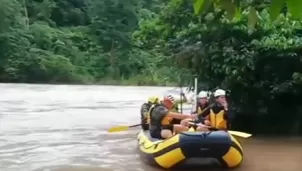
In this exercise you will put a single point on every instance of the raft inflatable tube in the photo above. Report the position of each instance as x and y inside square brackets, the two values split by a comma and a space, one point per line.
[218, 145]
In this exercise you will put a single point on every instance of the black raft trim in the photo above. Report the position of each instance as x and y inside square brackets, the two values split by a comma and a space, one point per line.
[166, 150]
[237, 148]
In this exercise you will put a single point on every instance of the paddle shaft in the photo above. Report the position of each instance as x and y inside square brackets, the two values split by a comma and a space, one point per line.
[235, 133]
[131, 126]
[122, 128]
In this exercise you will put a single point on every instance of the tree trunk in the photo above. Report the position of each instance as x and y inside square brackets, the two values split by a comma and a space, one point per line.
[26, 14]
[113, 61]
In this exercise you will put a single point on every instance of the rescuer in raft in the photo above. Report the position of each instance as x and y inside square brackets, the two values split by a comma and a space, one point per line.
[216, 116]
[202, 104]
[145, 110]
[160, 119]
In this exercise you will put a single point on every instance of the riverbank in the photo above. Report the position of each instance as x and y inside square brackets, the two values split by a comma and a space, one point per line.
[135, 81]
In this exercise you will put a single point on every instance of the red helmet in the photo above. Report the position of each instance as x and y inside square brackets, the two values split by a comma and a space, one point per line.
[169, 98]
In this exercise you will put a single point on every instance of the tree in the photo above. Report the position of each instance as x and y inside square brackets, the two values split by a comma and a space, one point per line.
[262, 69]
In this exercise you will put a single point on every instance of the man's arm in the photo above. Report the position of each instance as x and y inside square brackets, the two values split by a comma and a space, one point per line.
[163, 112]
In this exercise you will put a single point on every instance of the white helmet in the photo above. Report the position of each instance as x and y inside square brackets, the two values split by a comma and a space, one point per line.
[202, 94]
[219, 92]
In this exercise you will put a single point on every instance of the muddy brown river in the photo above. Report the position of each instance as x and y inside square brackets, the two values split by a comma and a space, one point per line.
[64, 128]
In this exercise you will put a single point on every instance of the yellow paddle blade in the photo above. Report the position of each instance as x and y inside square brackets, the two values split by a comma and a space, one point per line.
[118, 128]
[240, 134]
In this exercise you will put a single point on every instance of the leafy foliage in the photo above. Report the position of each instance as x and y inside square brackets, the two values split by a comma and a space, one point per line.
[75, 41]
[261, 67]
[233, 8]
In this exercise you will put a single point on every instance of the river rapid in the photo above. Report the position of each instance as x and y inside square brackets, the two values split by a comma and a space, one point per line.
[64, 128]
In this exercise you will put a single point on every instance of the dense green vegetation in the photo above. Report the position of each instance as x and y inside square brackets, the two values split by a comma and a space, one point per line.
[77, 41]
[156, 42]
[261, 65]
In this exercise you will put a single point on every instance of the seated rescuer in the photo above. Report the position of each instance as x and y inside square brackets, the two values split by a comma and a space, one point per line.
[202, 104]
[145, 110]
[160, 117]
[218, 115]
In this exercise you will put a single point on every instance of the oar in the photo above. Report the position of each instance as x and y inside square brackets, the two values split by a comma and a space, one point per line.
[235, 133]
[122, 128]
[240, 134]
[125, 128]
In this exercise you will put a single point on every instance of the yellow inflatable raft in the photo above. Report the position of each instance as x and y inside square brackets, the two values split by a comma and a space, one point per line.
[218, 145]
